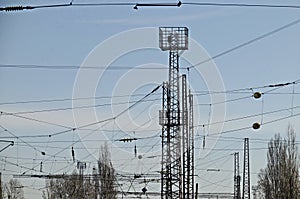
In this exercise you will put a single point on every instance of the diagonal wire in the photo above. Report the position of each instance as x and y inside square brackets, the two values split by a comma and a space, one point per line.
[230, 50]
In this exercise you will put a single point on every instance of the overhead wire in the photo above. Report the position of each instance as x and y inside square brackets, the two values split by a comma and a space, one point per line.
[239, 46]
[250, 116]
[250, 89]
[35, 120]
[196, 125]
[228, 51]
[240, 5]
[71, 99]
[22, 140]
[74, 67]
[250, 127]
[18, 165]
[69, 129]
[277, 120]
[125, 110]
[137, 5]
[274, 86]
[76, 107]
[99, 122]
[214, 183]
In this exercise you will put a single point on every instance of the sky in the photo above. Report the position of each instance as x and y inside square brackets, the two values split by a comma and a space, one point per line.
[69, 67]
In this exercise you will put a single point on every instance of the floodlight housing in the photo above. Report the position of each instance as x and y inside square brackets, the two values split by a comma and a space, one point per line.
[173, 38]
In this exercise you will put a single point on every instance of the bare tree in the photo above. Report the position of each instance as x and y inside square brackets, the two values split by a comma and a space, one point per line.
[14, 189]
[280, 179]
[107, 175]
[100, 183]
[71, 186]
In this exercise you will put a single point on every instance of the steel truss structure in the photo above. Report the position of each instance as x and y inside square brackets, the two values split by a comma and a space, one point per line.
[176, 118]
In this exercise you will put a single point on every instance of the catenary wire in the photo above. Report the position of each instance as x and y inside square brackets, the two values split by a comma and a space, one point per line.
[99, 122]
[239, 46]
[71, 99]
[76, 107]
[136, 5]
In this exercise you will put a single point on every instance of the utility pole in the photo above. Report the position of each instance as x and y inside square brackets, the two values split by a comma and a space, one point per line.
[246, 172]
[172, 39]
[237, 177]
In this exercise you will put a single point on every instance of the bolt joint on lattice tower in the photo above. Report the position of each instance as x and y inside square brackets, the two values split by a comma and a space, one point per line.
[172, 39]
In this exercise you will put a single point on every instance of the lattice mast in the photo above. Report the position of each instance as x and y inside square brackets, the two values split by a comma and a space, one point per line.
[187, 141]
[191, 160]
[237, 177]
[172, 39]
[246, 172]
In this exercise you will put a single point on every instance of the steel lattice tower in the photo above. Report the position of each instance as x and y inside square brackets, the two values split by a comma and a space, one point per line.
[246, 172]
[172, 39]
[185, 139]
[237, 177]
[187, 142]
[190, 152]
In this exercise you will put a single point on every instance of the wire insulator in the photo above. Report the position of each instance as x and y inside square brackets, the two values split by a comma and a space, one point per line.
[257, 95]
[256, 125]
[73, 154]
[41, 167]
[15, 8]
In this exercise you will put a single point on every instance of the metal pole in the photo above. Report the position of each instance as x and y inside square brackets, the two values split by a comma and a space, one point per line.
[196, 194]
[1, 186]
[246, 172]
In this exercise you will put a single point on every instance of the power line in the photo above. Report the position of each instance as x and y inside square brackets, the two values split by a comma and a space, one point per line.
[73, 67]
[124, 111]
[250, 116]
[214, 123]
[241, 5]
[20, 8]
[71, 99]
[23, 141]
[230, 50]
[250, 127]
[251, 89]
[99, 122]
[17, 114]
[198, 93]
[137, 5]
[54, 134]
[35, 120]
[76, 107]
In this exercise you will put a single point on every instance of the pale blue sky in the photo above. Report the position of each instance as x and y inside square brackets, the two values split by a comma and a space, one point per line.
[65, 36]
